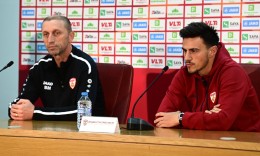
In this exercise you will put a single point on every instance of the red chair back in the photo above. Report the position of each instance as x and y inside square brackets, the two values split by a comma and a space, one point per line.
[116, 81]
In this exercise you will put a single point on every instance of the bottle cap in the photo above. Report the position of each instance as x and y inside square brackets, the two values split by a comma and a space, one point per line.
[84, 93]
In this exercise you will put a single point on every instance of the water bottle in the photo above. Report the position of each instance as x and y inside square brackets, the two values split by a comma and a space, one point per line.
[84, 107]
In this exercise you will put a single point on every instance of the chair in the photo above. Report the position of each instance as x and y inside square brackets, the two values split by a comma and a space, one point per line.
[253, 71]
[116, 81]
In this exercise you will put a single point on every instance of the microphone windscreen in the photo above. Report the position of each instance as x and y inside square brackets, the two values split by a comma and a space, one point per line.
[165, 68]
[10, 63]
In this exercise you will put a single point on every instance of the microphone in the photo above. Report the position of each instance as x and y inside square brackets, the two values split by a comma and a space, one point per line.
[8, 65]
[137, 123]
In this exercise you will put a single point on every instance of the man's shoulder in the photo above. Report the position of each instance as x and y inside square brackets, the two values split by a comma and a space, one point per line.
[43, 61]
[79, 53]
[231, 66]
[84, 60]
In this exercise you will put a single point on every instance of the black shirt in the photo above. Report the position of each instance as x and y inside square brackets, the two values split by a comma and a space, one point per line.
[60, 88]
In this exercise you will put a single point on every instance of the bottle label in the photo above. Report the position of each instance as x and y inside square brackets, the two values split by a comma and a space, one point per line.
[81, 110]
[88, 112]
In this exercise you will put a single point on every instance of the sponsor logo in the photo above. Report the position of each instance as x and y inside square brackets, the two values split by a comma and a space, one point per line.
[91, 1]
[123, 13]
[250, 50]
[90, 25]
[59, 2]
[173, 37]
[250, 37]
[75, 24]
[39, 36]
[175, 11]
[75, 13]
[250, 23]
[107, 12]
[174, 63]
[193, 11]
[140, 2]
[28, 47]
[106, 37]
[140, 50]
[156, 49]
[174, 50]
[122, 24]
[175, 23]
[231, 36]
[140, 25]
[107, 49]
[157, 12]
[90, 48]
[233, 50]
[212, 10]
[89, 36]
[139, 62]
[28, 13]
[91, 13]
[27, 59]
[211, 22]
[41, 48]
[231, 10]
[231, 23]
[160, 37]
[106, 25]
[39, 25]
[107, 2]
[140, 12]
[251, 10]
[28, 25]
[140, 37]
[156, 61]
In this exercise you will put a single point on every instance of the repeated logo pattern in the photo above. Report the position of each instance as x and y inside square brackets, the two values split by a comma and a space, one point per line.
[143, 33]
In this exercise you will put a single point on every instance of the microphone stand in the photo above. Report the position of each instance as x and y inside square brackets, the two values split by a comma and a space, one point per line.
[138, 123]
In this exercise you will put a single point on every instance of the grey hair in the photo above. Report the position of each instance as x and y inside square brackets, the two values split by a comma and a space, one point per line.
[66, 21]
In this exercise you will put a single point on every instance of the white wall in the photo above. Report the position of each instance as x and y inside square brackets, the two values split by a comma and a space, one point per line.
[9, 46]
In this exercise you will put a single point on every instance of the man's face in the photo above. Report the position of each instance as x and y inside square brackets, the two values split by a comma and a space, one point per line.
[56, 37]
[196, 56]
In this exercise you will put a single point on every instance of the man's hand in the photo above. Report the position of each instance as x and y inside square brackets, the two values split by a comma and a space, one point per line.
[215, 109]
[167, 119]
[22, 110]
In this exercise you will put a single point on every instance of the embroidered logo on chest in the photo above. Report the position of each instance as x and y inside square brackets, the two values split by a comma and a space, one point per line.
[213, 96]
[72, 83]
[47, 85]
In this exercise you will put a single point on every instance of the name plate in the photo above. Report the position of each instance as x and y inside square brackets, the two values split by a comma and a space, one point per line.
[99, 124]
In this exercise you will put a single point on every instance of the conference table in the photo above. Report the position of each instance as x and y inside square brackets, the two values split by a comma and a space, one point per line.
[63, 138]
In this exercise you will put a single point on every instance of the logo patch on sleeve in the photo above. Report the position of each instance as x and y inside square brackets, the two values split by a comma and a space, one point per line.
[72, 83]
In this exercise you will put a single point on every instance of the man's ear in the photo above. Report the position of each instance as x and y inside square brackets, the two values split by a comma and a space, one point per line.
[71, 36]
[213, 50]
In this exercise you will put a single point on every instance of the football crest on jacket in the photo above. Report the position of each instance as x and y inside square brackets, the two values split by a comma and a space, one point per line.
[213, 96]
[72, 83]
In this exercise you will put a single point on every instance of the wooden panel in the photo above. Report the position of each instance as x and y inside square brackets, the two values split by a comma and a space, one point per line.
[47, 146]
[63, 138]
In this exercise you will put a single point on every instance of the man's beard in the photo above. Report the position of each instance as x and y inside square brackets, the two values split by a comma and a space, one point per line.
[60, 51]
[198, 70]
